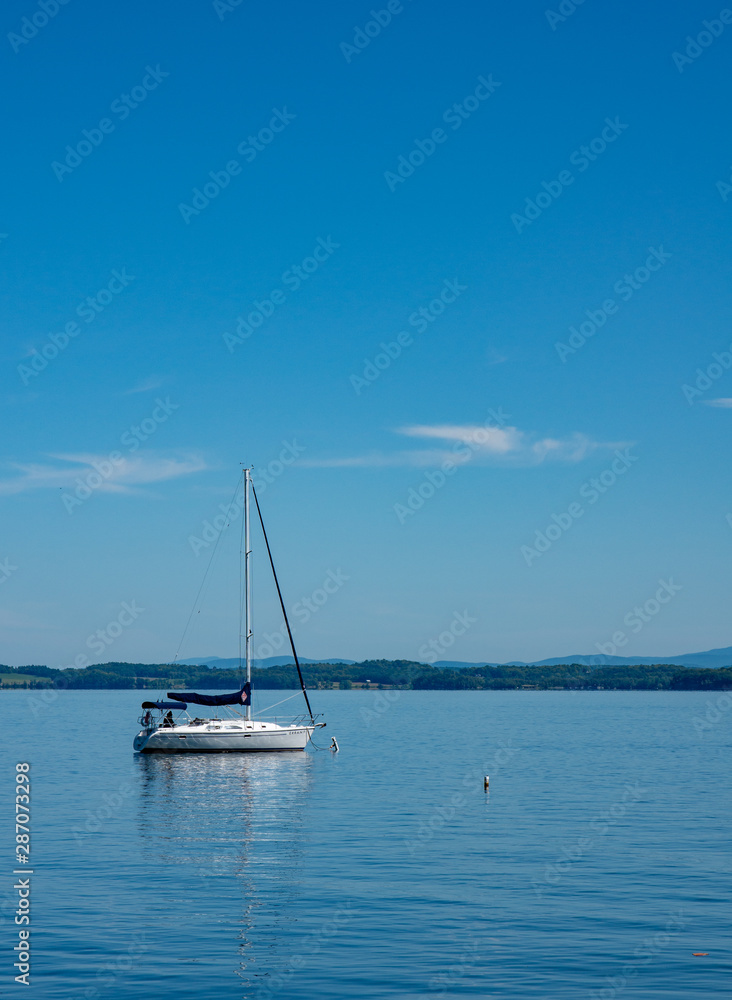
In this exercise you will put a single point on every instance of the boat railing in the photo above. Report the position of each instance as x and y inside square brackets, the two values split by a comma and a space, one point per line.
[150, 723]
[298, 720]
[150, 720]
[304, 719]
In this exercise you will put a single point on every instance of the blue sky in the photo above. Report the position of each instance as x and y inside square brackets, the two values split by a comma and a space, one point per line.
[306, 238]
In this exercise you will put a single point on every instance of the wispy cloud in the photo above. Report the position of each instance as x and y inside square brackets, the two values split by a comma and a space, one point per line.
[146, 385]
[123, 476]
[723, 403]
[494, 440]
[379, 459]
[483, 444]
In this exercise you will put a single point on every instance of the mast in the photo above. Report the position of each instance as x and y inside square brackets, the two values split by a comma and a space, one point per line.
[247, 592]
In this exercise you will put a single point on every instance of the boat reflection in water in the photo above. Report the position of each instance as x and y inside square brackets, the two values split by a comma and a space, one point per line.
[223, 839]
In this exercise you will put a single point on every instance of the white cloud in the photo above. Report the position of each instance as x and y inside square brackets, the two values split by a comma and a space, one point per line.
[723, 403]
[120, 477]
[378, 459]
[475, 442]
[496, 440]
[571, 449]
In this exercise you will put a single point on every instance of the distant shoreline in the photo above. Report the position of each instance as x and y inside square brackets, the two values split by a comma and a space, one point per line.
[373, 675]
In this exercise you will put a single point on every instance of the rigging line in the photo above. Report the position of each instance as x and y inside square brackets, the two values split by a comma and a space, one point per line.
[269, 707]
[311, 740]
[282, 605]
[203, 582]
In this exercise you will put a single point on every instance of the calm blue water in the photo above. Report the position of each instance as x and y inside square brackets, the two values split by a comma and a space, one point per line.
[598, 862]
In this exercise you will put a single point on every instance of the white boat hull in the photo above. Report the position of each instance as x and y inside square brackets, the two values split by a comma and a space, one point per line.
[214, 736]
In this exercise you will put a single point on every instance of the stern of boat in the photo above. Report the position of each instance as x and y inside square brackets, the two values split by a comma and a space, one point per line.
[138, 744]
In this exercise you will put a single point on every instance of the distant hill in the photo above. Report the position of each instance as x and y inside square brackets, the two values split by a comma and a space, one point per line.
[232, 663]
[712, 658]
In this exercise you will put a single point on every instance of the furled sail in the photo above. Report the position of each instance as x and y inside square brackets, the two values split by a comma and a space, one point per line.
[242, 697]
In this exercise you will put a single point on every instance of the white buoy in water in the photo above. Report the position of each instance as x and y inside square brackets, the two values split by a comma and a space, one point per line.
[485, 783]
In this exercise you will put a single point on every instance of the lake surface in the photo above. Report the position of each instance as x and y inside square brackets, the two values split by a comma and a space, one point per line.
[596, 865]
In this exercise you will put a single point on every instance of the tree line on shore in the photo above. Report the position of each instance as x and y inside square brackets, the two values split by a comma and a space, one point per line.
[403, 674]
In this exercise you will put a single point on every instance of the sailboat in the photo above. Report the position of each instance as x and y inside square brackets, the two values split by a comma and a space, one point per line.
[165, 732]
